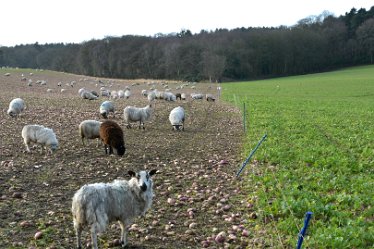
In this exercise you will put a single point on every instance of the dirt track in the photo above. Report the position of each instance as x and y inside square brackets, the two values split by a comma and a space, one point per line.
[196, 168]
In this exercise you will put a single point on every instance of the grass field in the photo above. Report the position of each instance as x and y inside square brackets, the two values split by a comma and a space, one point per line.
[318, 156]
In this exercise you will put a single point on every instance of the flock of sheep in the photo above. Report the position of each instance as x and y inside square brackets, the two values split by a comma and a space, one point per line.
[96, 205]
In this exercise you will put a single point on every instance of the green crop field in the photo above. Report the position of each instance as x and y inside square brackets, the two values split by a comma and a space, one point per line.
[319, 157]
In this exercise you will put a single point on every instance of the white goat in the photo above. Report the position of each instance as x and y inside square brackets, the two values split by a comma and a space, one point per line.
[105, 108]
[90, 129]
[40, 135]
[98, 204]
[176, 118]
[134, 114]
[16, 106]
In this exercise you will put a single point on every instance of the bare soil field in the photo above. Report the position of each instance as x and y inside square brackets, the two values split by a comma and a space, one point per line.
[196, 193]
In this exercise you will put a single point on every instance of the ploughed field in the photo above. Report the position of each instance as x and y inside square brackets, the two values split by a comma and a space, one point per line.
[196, 194]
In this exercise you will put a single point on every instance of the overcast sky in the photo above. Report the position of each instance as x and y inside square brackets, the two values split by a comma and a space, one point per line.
[76, 21]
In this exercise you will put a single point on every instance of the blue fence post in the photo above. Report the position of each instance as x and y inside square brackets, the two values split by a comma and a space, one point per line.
[250, 155]
[303, 230]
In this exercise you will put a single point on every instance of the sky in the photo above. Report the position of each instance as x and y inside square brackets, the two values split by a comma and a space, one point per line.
[76, 21]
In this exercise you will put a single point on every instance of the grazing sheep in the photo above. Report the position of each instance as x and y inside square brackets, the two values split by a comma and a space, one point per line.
[134, 114]
[98, 204]
[144, 93]
[178, 96]
[121, 94]
[40, 135]
[85, 94]
[90, 129]
[127, 94]
[105, 108]
[151, 96]
[16, 106]
[105, 93]
[168, 96]
[183, 96]
[112, 136]
[114, 95]
[197, 96]
[210, 97]
[176, 118]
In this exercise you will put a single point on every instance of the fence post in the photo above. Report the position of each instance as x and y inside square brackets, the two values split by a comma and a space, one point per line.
[250, 155]
[308, 215]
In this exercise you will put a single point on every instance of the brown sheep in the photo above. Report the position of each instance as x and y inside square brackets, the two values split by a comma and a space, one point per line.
[112, 136]
[178, 96]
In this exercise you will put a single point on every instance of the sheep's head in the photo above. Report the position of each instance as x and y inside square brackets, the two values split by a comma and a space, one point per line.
[104, 114]
[53, 147]
[143, 178]
[11, 113]
[121, 150]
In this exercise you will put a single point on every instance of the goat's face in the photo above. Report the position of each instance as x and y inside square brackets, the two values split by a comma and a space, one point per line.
[143, 178]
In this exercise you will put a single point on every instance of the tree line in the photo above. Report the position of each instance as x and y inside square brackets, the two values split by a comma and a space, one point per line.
[314, 44]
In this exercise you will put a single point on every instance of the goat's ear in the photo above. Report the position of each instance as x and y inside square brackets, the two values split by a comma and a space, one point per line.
[131, 173]
[152, 172]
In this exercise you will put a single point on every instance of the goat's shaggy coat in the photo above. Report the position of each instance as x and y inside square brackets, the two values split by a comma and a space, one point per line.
[40, 135]
[96, 205]
[89, 129]
[176, 117]
[134, 114]
[112, 136]
[16, 106]
[106, 107]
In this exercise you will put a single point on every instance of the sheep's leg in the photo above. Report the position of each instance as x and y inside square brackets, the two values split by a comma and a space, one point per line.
[78, 232]
[123, 234]
[106, 149]
[93, 237]
[27, 143]
[83, 141]
[110, 150]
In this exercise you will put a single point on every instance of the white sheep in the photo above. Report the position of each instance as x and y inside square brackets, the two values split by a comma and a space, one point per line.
[114, 95]
[168, 96]
[134, 114]
[197, 96]
[121, 94]
[176, 118]
[85, 94]
[16, 106]
[90, 129]
[127, 93]
[151, 96]
[98, 204]
[183, 96]
[40, 135]
[210, 97]
[105, 108]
